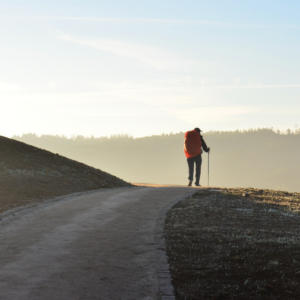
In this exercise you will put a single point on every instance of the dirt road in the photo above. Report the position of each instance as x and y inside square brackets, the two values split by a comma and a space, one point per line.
[98, 245]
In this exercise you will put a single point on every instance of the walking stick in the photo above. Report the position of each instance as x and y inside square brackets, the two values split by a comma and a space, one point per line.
[208, 170]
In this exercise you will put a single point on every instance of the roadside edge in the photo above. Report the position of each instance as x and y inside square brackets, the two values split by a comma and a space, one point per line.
[166, 290]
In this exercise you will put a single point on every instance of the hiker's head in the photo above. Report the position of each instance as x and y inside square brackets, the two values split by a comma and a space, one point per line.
[198, 130]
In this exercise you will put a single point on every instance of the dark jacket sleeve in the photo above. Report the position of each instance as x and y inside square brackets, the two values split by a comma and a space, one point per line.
[204, 146]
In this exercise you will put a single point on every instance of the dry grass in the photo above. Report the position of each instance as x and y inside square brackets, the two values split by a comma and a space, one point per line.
[29, 175]
[226, 244]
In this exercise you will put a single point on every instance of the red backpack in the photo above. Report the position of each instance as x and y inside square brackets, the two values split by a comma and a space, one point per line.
[192, 143]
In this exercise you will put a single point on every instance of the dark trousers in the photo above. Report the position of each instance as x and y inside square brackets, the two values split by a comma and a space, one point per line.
[198, 161]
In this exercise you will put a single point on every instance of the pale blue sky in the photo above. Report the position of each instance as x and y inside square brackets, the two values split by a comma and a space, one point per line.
[148, 67]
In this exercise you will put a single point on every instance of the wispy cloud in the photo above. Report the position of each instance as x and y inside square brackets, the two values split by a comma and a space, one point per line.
[148, 20]
[148, 54]
[6, 87]
[216, 114]
[250, 86]
[179, 85]
[211, 114]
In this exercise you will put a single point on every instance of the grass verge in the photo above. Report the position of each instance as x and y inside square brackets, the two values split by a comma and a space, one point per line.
[235, 244]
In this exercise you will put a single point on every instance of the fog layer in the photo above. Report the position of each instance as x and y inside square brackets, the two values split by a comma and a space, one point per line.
[258, 158]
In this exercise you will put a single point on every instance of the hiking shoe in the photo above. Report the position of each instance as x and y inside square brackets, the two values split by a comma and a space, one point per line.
[190, 183]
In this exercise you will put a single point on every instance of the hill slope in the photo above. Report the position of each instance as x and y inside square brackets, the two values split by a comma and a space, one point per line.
[28, 173]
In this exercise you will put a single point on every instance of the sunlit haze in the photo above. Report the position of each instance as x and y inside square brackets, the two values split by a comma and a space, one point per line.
[148, 67]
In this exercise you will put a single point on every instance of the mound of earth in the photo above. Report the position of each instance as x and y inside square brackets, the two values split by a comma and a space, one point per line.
[29, 174]
[235, 244]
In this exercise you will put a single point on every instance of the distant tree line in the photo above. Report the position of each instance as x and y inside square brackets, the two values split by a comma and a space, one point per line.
[261, 158]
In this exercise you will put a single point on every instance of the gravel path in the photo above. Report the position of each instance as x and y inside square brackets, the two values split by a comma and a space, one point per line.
[99, 245]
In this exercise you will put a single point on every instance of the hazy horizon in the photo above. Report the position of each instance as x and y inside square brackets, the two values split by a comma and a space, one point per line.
[128, 135]
[259, 158]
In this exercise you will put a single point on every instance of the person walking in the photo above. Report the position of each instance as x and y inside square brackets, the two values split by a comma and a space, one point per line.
[194, 145]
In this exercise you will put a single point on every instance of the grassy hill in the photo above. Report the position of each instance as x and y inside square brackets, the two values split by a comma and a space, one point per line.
[28, 174]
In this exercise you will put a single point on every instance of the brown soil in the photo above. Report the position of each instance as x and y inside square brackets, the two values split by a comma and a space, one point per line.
[29, 174]
[229, 245]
